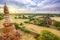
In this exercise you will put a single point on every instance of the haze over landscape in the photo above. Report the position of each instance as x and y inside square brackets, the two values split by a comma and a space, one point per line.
[31, 6]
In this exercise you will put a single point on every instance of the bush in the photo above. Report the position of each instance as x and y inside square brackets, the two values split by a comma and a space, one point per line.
[47, 35]
[16, 26]
[21, 24]
[56, 23]
[15, 17]
[24, 17]
[26, 22]
[25, 30]
[19, 17]
[1, 16]
[31, 19]
[42, 23]
[58, 28]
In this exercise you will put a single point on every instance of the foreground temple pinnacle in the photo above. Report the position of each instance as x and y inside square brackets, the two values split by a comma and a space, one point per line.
[8, 31]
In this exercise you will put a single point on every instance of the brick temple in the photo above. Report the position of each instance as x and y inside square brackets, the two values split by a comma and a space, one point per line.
[48, 20]
[8, 31]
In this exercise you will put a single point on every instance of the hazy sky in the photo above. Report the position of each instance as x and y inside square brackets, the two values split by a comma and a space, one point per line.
[32, 6]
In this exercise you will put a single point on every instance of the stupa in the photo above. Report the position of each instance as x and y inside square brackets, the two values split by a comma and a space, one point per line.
[8, 31]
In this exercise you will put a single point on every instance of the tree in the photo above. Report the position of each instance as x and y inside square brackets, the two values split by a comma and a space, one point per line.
[47, 35]
[42, 23]
[1, 16]
[15, 17]
[16, 26]
[56, 23]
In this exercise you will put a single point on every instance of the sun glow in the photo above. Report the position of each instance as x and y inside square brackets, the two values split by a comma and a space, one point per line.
[12, 10]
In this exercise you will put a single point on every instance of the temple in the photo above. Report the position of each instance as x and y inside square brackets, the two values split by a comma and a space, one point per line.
[48, 20]
[8, 31]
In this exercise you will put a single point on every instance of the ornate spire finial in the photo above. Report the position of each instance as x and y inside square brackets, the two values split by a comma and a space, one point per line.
[6, 9]
[5, 3]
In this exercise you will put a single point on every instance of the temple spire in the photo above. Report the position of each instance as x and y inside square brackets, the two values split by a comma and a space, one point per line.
[6, 16]
[6, 9]
[8, 31]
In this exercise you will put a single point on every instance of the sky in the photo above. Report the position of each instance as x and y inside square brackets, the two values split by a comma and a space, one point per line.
[31, 6]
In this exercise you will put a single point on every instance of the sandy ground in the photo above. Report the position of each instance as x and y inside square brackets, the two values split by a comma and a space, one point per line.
[33, 28]
[38, 29]
[55, 18]
[26, 36]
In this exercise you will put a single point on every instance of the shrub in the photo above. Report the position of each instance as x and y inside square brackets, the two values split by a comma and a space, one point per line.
[42, 23]
[24, 17]
[19, 17]
[56, 23]
[58, 28]
[37, 37]
[25, 30]
[21, 24]
[31, 19]
[1, 16]
[26, 22]
[16, 26]
[47, 35]
[15, 17]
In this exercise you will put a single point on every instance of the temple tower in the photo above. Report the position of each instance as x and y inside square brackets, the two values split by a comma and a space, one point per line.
[8, 31]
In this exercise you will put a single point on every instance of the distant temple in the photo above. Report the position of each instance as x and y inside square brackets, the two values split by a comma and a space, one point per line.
[48, 20]
[8, 31]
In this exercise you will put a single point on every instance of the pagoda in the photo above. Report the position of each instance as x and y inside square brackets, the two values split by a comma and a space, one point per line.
[8, 31]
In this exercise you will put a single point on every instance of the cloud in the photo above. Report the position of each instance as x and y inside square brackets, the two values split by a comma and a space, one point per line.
[33, 5]
[26, 2]
[51, 6]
